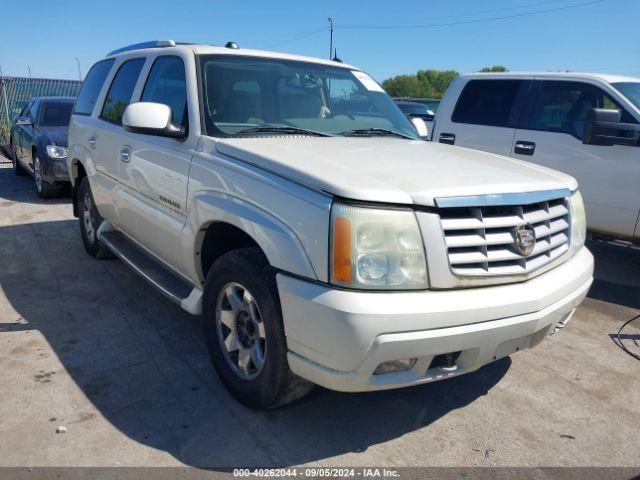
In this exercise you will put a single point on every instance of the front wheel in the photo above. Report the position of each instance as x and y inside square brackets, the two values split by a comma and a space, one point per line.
[245, 332]
[90, 221]
[44, 189]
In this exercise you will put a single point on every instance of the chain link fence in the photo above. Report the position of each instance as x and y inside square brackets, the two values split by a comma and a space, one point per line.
[15, 92]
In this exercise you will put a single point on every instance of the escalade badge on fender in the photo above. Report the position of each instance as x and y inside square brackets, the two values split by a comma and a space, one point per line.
[525, 239]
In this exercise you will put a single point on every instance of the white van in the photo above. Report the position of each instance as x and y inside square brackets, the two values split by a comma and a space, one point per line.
[586, 125]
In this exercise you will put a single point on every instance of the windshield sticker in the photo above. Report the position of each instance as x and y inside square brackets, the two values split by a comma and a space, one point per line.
[368, 82]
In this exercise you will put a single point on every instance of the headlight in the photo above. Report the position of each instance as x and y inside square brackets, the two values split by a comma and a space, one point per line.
[377, 249]
[578, 222]
[55, 151]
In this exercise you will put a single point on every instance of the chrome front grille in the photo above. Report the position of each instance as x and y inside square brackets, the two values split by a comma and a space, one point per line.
[481, 240]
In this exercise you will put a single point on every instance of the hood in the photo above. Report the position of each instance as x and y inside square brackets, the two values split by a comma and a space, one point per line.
[57, 135]
[392, 170]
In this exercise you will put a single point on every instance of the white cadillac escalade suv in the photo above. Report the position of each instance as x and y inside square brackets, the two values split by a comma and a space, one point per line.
[291, 203]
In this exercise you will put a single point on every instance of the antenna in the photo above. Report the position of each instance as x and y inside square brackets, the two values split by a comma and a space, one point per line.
[330, 36]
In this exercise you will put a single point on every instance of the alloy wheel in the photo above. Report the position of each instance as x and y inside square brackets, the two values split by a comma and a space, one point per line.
[37, 171]
[87, 217]
[241, 331]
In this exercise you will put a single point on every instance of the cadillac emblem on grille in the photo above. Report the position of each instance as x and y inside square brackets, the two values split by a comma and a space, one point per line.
[525, 239]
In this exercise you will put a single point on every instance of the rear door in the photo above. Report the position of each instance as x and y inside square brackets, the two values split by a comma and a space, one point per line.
[484, 117]
[82, 135]
[550, 133]
[153, 170]
[109, 132]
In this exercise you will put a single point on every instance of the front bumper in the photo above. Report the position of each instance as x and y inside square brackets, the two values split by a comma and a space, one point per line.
[55, 170]
[337, 338]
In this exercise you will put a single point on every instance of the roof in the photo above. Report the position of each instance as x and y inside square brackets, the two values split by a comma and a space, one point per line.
[55, 99]
[408, 102]
[606, 77]
[202, 49]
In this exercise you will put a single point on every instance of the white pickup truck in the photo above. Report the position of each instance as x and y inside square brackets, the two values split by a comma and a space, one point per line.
[290, 202]
[586, 125]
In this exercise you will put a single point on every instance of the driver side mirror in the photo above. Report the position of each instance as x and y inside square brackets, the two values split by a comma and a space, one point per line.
[420, 127]
[151, 119]
[603, 127]
[23, 121]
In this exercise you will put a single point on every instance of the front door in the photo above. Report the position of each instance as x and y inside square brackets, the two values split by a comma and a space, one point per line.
[553, 127]
[27, 136]
[154, 171]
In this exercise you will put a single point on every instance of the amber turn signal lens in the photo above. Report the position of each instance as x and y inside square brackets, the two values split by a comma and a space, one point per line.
[342, 250]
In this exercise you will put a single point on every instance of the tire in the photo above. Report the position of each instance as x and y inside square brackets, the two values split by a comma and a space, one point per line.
[90, 220]
[44, 189]
[18, 169]
[246, 276]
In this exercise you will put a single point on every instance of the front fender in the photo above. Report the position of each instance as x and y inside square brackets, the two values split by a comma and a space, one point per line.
[40, 142]
[278, 241]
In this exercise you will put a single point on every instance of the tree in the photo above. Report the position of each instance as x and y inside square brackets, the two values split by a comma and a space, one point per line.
[424, 84]
[403, 86]
[495, 68]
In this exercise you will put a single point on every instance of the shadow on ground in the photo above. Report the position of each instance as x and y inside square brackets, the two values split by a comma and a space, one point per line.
[23, 188]
[617, 273]
[142, 363]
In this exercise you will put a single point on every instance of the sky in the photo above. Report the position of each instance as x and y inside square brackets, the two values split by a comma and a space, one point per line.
[383, 38]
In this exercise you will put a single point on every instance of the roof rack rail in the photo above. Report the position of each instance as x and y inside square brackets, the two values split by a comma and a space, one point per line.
[151, 44]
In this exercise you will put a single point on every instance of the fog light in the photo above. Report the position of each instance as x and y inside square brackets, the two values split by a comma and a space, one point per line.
[395, 366]
[59, 169]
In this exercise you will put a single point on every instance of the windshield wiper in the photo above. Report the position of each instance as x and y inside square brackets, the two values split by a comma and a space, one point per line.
[286, 129]
[373, 132]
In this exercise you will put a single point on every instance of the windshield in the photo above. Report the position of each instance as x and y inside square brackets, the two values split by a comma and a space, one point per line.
[55, 114]
[242, 93]
[631, 90]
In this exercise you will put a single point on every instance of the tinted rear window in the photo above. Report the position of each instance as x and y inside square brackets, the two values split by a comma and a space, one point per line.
[92, 86]
[486, 102]
[121, 90]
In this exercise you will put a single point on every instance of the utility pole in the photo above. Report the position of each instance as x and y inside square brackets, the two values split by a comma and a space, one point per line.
[79, 72]
[330, 37]
[29, 68]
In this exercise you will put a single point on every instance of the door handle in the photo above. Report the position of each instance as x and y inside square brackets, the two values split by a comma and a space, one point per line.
[125, 153]
[448, 138]
[92, 141]
[524, 148]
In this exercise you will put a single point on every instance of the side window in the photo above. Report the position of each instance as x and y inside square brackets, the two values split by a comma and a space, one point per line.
[167, 84]
[121, 90]
[91, 87]
[33, 111]
[625, 116]
[562, 107]
[487, 102]
[25, 110]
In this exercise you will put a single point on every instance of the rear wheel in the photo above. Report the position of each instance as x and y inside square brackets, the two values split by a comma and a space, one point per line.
[90, 221]
[245, 333]
[18, 169]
